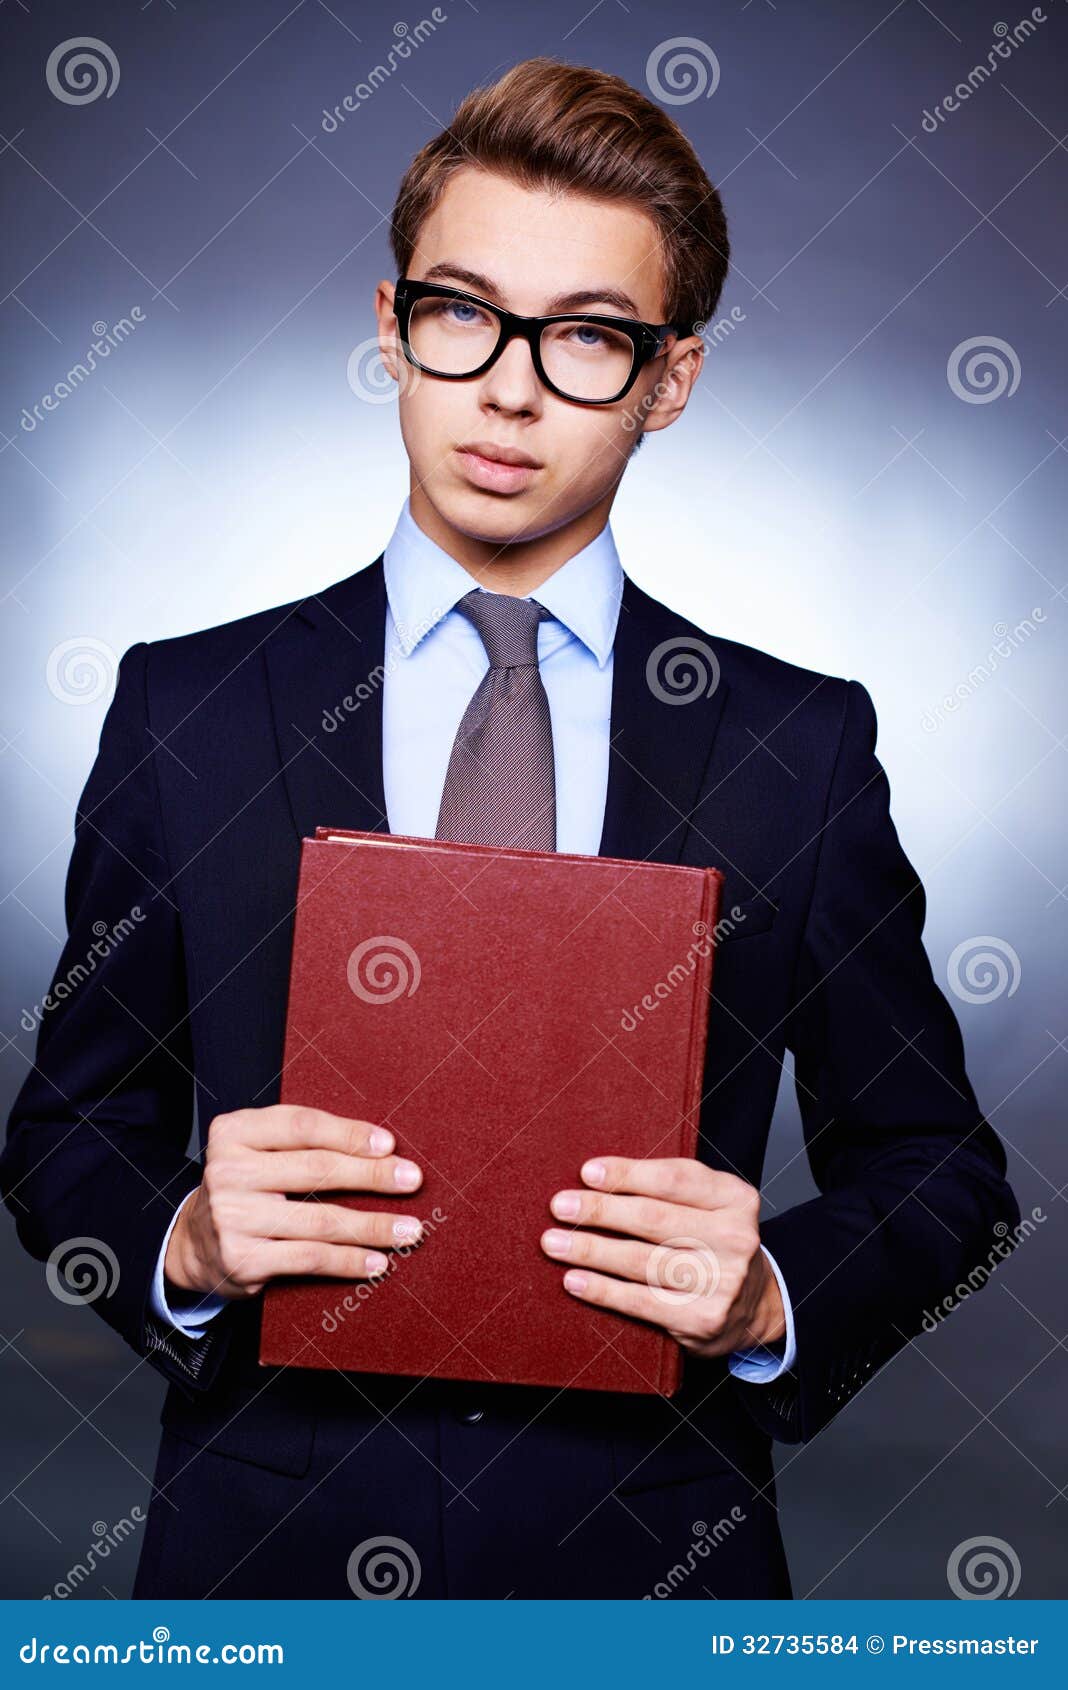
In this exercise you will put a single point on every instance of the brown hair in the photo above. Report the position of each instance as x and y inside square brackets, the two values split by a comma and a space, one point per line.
[552, 125]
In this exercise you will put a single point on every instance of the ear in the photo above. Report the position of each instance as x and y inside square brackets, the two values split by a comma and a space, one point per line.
[668, 384]
[387, 328]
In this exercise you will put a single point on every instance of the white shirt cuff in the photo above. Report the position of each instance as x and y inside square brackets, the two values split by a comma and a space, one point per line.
[193, 1321]
[761, 1366]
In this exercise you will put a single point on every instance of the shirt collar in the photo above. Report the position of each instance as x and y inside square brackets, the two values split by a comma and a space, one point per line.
[423, 583]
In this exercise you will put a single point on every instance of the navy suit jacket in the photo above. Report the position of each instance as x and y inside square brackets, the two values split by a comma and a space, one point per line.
[213, 763]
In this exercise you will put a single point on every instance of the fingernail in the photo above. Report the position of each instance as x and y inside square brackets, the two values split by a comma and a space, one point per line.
[376, 1263]
[557, 1243]
[406, 1231]
[594, 1172]
[575, 1281]
[565, 1205]
[380, 1141]
[406, 1176]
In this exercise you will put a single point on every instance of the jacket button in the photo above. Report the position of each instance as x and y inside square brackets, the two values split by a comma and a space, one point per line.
[470, 1416]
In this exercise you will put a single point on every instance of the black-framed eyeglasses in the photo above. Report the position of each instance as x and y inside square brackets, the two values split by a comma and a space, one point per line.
[591, 359]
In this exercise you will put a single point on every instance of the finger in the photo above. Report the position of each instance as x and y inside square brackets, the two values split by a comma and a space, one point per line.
[333, 1223]
[694, 1272]
[679, 1179]
[624, 1258]
[324, 1170]
[288, 1126]
[671, 1310]
[639, 1217]
[317, 1259]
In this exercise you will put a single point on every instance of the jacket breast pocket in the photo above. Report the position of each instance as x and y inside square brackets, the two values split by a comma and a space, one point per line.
[249, 1413]
[675, 1456]
[262, 1430]
[745, 918]
[695, 1435]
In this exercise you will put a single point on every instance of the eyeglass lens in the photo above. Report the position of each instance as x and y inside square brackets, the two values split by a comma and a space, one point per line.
[584, 360]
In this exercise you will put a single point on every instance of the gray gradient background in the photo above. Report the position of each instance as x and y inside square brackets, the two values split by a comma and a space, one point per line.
[828, 497]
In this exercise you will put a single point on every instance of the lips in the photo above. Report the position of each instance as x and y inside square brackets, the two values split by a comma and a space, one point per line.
[496, 469]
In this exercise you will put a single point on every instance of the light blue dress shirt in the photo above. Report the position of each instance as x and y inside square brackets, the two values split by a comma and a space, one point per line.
[433, 661]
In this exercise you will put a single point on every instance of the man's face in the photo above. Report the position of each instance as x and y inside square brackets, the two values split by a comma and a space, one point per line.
[530, 252]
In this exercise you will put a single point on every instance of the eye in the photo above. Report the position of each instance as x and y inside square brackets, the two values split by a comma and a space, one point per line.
[461, 312]
[588, 335]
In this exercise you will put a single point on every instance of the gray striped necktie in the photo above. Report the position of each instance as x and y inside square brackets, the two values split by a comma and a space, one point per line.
[500, 788]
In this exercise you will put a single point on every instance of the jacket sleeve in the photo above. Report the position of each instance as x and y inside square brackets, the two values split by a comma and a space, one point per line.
[913, 1197]
[95, 1162]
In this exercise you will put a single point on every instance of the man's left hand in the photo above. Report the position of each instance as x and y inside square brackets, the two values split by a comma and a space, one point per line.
[687, 1257]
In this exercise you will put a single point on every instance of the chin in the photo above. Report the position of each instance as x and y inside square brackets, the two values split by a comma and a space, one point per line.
[494, 518]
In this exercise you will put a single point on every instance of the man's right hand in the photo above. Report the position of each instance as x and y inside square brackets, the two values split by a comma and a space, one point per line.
[238, 1229]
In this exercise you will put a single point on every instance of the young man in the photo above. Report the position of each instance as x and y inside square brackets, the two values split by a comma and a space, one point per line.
[517, 688]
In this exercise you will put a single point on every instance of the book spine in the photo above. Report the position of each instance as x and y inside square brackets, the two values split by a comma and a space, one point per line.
[672, 1355]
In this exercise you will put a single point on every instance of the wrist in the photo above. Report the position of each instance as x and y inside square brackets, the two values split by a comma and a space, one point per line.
[769, 1324]
[179, 1263]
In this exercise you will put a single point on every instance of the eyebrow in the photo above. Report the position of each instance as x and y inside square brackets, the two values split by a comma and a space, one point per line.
[578, 299]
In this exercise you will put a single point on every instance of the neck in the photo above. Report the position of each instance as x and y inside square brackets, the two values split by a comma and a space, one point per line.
[511, 566]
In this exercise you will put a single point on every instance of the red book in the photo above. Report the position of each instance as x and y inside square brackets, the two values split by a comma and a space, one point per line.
[508, 1015]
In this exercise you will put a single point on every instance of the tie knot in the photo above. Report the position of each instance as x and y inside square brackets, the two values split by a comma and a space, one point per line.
[508, 626]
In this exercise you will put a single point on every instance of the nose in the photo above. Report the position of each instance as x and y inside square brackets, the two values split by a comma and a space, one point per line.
[511, 384]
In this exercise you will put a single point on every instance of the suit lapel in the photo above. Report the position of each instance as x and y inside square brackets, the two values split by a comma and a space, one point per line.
[325, 670]
[667, 700]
